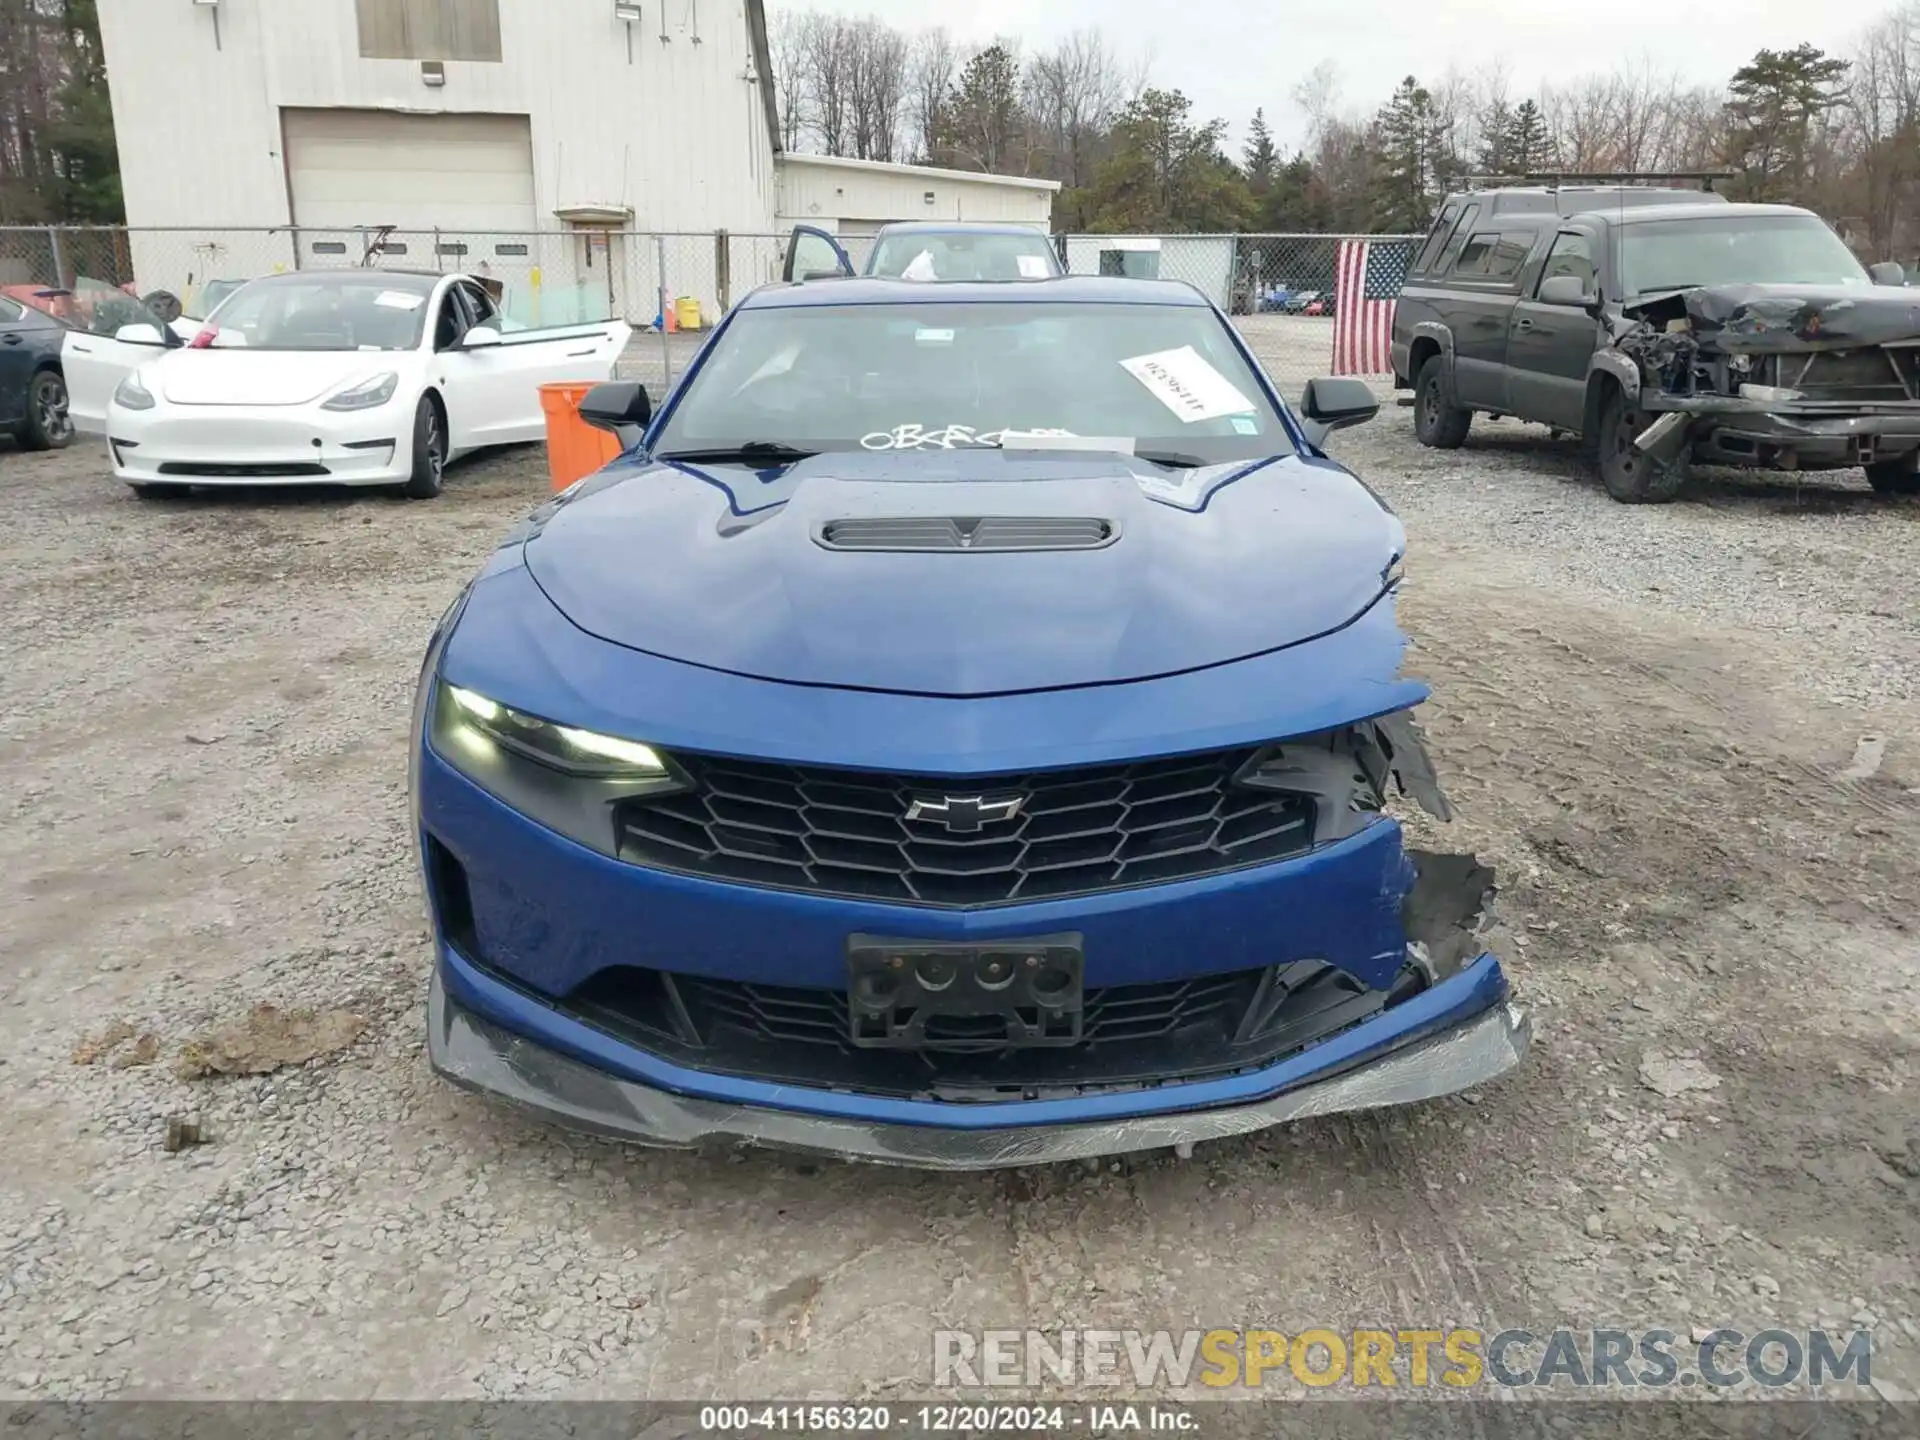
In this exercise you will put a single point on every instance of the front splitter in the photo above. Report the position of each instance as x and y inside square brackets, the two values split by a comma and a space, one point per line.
[477, 1055]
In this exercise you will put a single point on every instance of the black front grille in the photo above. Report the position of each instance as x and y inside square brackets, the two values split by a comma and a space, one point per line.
[1135, 1036]
[846, 833]
[977, 533]
[188, 469]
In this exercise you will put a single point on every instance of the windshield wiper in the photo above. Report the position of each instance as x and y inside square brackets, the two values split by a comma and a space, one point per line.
[771, 452]
[1172, 459]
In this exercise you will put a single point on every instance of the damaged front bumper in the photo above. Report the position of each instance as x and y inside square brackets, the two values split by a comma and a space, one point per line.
[1458, 1034]
[1734, 430]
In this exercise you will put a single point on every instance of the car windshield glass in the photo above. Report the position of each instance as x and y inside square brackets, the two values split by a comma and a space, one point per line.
[1740, 249]
[922, 377]
[955, 256]
[361, 312]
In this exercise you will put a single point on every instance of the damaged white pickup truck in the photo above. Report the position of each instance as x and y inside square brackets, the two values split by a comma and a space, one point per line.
[1663, 326]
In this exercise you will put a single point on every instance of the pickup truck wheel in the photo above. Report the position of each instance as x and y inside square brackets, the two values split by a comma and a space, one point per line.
[1896, 477]
[1630, 476]
[1437, 421]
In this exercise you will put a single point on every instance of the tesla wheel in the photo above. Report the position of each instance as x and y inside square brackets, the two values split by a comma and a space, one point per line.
[429, 450]
[48, 425]
[1630, 476]
[162, 492]
[1437, 421]
[1896, 477]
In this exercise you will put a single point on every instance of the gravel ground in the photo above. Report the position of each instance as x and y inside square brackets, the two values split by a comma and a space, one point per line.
[1687, 738]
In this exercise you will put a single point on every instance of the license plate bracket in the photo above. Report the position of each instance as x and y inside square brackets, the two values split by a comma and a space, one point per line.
[942, 995]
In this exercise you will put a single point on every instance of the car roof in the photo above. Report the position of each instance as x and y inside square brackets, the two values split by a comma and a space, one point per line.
[958, 227]
[1694, 212]
[421, 281]
[1059, 290]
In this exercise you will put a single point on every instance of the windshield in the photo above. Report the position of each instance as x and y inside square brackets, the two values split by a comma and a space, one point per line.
[1741, 249]
[1153, 379]
[366, 311]
[961, 256]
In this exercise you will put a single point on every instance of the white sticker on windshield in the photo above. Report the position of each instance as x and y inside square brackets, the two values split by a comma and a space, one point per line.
[1062, 440]
[1243, 426]
[1186, 384]
[1032, 267]
[399, 300]
[933, 337]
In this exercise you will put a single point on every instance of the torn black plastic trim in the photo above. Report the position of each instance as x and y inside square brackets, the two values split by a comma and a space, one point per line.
[1347, 773]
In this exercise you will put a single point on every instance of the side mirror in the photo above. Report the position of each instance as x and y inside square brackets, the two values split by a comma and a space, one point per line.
[140, 334]
[617, 405]
[1567, 291]
[1335, 403]
[1888, 272]
[480, 337]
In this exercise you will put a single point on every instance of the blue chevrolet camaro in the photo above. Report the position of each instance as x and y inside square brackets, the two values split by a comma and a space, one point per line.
[958, 731]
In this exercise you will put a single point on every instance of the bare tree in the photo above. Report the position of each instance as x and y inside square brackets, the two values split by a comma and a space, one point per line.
[1073, 94]
[790, 78]
[825, 67]
[875, 59]
[933, 63]
[1884, 110]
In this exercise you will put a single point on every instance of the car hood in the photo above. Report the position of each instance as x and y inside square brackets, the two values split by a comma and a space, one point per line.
[1764, 319]
[724, 567]
[263, 377]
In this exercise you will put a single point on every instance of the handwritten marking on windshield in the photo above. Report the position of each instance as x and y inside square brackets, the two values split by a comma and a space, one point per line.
[941, 437]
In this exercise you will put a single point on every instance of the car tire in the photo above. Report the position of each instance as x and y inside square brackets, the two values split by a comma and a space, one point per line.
[429, 450]
[162, 491]
[49, 425]
[1630, 476]
[1437, 421]
[1896, 477]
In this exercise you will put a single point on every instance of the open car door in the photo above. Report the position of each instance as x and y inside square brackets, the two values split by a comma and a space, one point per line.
[95, 359]
[813, 254]
[491, 365]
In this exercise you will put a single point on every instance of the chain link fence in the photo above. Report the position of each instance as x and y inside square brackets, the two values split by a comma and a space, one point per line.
[1283, 291]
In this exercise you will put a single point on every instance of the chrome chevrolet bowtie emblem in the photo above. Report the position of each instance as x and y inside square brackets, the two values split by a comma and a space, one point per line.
[966, 814]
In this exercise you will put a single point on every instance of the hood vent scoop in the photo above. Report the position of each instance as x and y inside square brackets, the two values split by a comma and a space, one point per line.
[998, 533]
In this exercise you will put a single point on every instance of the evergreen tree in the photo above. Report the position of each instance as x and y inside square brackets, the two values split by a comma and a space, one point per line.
[1260, 161]
[1527, 150]
[1412, 162]
[1165, 173]
[1773, 102]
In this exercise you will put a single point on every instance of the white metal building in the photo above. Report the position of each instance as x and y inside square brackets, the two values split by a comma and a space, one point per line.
[473, 126]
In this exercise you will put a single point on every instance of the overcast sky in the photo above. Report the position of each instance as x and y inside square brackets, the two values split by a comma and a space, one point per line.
[1232, 56]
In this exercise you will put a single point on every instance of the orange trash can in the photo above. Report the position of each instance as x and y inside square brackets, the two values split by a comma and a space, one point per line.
[575, 449]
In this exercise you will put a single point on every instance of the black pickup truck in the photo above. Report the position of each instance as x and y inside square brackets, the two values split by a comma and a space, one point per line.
[1662, 326]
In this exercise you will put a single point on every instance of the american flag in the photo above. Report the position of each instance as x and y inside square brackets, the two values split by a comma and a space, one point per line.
[1367, 280]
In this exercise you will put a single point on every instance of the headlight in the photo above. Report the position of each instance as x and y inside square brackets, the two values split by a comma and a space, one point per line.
[576, 752]
[562, 776]
[367, 394]
[132, 395]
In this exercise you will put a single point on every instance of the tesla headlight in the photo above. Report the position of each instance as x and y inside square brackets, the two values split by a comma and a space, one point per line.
[132, 395]
[367, 394]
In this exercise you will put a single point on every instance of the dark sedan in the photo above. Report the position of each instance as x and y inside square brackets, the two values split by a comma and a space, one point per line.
[33, 387]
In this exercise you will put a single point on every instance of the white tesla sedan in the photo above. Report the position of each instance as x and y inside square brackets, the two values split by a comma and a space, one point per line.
[353, 377]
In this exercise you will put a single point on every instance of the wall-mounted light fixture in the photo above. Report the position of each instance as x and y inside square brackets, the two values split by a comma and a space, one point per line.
[214, 6]
[628, 12]
[433, 72]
